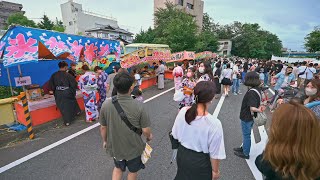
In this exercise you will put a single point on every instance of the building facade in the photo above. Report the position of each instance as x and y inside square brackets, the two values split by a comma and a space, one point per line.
[111, 32]
[225, 46]
[77, 21]
[193, 7]
[7, 9]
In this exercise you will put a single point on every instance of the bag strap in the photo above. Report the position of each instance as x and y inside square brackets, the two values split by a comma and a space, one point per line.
[124, 117]
[257, 93]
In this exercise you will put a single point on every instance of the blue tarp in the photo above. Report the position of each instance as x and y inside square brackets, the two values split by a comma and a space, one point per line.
[22, 45]
[40, 72]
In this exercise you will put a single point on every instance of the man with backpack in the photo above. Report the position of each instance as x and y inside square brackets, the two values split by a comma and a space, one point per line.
[123, 120]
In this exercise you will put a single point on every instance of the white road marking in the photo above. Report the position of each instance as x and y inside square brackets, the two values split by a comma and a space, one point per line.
[147, 100]
[47, 148]
[219, 106]
[272, 92]
[51, 146]
[257, 149]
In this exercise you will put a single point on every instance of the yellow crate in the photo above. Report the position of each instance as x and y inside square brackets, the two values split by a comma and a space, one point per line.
[6, 111]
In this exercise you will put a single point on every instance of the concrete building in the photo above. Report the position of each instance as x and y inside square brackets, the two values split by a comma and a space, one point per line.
[77, 21]
[225, 46]
[193, 7]
[111, 32]
[6, 9]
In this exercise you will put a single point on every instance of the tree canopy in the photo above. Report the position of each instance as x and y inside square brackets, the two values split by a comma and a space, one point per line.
[179, 30]
[312, 40]
[20, 19]
[45, 23]
[249, 40]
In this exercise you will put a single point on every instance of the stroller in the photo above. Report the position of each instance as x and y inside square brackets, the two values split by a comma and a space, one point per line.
[284, 93]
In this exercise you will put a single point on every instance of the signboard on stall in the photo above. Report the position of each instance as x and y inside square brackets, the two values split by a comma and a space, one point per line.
[184, 55]
[22, 81]
[144, 55]
[157, 55]
[205, 54]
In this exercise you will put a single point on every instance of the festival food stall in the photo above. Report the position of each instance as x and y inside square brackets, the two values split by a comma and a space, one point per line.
[30, 56]
[184, 56]
[144, 58]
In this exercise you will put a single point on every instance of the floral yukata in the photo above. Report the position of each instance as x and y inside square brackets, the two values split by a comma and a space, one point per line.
[88, 86]
[102, 88]
[178, 76]
[188, 99]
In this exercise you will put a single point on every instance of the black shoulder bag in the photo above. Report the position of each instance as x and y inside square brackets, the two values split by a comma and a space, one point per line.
[124, 117]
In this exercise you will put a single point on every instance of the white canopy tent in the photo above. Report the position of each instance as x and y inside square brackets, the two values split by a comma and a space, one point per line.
[292, 59]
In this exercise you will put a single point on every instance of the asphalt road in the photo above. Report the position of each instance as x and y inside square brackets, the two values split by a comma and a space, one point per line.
[83, 157]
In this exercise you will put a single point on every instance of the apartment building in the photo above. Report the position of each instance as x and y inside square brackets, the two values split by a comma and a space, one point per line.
[6, 9]
[193, 7]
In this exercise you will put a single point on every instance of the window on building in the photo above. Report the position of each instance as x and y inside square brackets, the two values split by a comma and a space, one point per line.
[189, 6]
[180, 2]
[70, 23]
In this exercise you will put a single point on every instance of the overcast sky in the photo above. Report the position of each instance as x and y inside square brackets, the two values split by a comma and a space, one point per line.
[291, 20]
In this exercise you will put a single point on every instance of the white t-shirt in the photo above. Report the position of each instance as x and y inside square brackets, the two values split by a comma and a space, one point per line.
[227, 73]
[138, 78]
[310, 72]
[301, 70]
[204, 134]
[235, 71]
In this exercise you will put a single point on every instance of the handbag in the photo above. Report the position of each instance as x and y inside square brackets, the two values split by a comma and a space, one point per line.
[261, 118]
[178, 95]
[146, 154]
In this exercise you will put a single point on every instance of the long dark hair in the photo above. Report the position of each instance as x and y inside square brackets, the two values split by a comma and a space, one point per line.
[207, 70]
[204, 92]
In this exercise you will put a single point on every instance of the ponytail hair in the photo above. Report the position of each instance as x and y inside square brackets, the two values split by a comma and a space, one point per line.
[204, 92]
[191, 113]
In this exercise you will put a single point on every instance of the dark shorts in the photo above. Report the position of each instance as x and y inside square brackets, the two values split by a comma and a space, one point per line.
[134, 165]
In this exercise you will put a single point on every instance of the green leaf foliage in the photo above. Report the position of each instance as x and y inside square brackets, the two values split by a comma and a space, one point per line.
[46, 23]
[20, 19]
[312, 40]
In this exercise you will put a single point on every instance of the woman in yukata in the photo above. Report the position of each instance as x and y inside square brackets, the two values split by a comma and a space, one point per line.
[102, 85]
[187, 85]
[88, 86]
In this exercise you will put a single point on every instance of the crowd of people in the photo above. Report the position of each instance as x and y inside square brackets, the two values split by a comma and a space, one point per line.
[293, 148]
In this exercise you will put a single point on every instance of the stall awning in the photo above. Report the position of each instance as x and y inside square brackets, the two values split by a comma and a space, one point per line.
[23, 45]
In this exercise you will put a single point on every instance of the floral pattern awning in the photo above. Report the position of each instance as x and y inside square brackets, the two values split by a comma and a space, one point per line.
[21, 45]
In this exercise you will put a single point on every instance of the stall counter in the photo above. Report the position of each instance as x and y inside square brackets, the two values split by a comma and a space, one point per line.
[168, 74]
[43, 111]
[148, 82]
